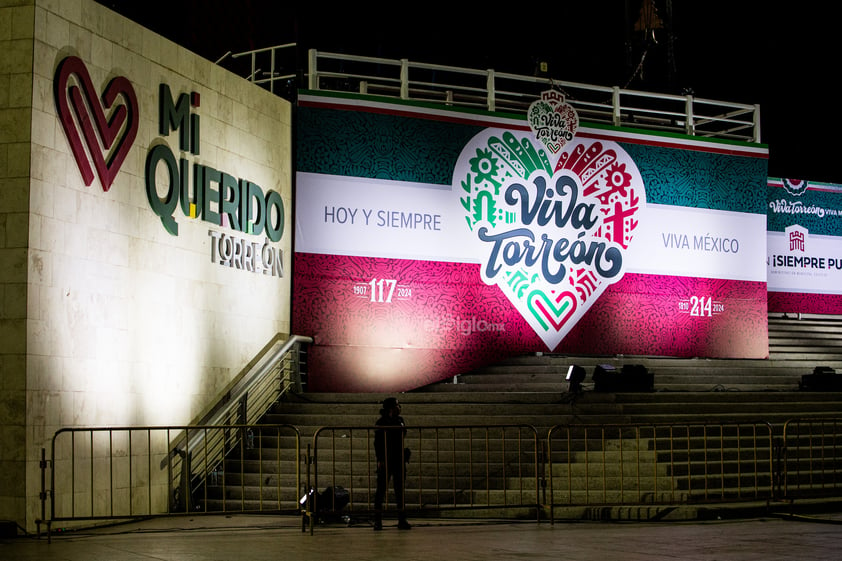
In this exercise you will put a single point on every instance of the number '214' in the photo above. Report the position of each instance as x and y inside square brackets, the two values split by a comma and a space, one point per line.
[701, 306]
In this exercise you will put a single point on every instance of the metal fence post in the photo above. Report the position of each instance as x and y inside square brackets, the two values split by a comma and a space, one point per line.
[43, 495]
[690, 125]
[615, 103]
[313, 82]
[404, 78]
[492, 98]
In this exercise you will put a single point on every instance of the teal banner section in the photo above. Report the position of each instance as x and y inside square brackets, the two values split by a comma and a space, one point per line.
[398, 148]
[373, 145]
[818, 209]
[697, 179]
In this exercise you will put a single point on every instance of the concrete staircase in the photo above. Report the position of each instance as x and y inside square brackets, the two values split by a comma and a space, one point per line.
[531, 390]
[345, 457]
[797, 344]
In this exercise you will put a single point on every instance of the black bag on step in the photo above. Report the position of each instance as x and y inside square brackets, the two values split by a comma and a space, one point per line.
[333, 499]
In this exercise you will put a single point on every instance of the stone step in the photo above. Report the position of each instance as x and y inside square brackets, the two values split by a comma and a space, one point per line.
[778, 362]
[238, 506]
[615, 464]
[476, 411]
[464, 395]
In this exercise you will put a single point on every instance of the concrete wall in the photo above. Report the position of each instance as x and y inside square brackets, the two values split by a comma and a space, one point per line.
[16, 44]
[124, 323]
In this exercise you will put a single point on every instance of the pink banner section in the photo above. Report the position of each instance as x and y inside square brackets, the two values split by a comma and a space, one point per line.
[396, 325]
[805, 303]
[675, 316]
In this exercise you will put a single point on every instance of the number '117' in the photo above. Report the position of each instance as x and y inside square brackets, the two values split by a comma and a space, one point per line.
[382, 289]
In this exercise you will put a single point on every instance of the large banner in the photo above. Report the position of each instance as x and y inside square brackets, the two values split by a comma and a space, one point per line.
[430, 241]
[805, 247]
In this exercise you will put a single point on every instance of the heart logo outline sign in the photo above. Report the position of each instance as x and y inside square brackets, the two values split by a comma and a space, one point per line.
[93, 134]
[550, 232]
[553, 121]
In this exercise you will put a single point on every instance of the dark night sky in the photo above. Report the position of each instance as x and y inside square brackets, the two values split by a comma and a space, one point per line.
[746, 51]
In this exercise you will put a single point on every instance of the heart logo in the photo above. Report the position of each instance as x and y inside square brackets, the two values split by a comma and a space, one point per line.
[553, 122]
[556, 313]
[551, 234]
[108, 139]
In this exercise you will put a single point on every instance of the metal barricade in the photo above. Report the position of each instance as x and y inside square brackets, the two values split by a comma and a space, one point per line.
[450, 468]
[591, 465]
[130, 472]
[122, 473]
[811, 459]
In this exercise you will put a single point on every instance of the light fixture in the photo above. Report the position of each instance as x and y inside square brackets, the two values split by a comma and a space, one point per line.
[575, 377]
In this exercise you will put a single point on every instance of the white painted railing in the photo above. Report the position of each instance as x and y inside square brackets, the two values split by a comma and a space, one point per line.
[272, 58]
[502, 92]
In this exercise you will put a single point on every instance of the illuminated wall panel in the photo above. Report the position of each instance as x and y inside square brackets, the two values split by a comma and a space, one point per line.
[430, 241]
[805, 247]
[149, 282]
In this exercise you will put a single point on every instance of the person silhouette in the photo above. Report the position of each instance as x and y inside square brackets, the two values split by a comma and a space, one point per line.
[391, 456]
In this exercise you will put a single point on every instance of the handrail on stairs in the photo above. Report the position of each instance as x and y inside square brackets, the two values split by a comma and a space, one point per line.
[270, 376]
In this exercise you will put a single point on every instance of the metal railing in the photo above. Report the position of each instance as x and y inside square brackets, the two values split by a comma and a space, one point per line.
[450, 468]
[112, 473]
[659, 464]
[495, 91]
[187, 459]
[274, 373]
[271, 58]
[811, 459]
[258, 473]
[504, 92]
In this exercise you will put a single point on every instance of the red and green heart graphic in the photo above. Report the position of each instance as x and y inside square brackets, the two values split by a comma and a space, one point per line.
[87, 123]
[551, 232]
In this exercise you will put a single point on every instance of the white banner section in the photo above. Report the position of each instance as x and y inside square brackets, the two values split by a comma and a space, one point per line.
[340, 215]
[697, 242]
[364, 217]
[804, 262]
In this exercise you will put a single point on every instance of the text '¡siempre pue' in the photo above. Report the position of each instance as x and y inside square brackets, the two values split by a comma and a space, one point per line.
[806, 262]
